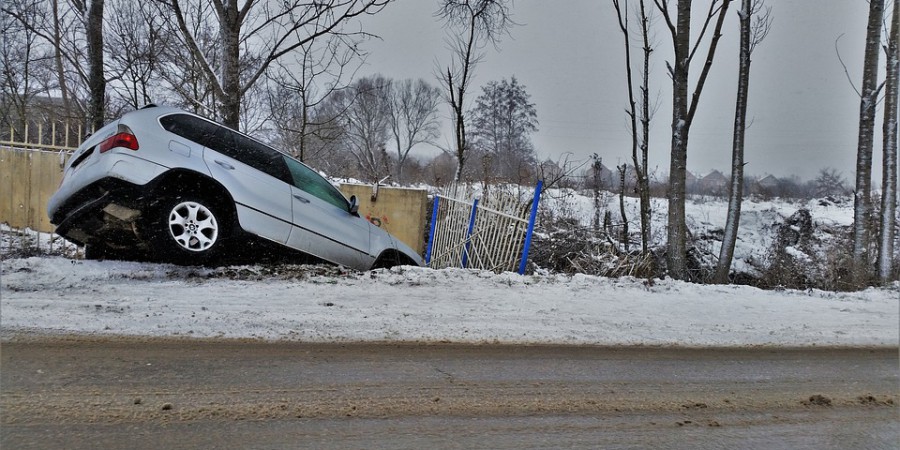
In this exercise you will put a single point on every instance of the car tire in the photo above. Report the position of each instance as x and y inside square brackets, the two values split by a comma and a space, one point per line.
[389, 259]
[188, 230]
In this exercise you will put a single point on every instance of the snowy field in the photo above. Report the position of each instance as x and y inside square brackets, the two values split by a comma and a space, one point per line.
[706, 218]
[55, 295]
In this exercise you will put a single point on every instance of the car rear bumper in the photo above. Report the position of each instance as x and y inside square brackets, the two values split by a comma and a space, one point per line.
[81, 207]
[104, 210]
[117, 165]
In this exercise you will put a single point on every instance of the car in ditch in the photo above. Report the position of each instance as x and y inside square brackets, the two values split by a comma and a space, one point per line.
[169, 184]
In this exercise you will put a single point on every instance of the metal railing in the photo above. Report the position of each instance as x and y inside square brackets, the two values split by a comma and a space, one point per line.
[61, 137]
[491, 233]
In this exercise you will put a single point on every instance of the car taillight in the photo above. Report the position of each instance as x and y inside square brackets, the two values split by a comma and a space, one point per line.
[123, 138]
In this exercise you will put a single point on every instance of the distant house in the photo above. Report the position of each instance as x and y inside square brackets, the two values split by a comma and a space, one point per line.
[690, 180]
[768, 183]
[713, 183]
[608, 179]
[767, 186]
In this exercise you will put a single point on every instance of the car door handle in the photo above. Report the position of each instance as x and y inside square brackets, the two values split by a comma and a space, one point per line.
[224, 164]
[301, 198]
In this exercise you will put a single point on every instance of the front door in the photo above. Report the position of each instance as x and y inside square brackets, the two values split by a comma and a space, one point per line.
[323, 224]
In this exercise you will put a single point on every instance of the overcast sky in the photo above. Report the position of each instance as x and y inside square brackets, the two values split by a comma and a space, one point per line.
[569, 55]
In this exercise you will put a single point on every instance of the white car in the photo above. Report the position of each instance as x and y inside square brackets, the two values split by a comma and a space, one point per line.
[182, 188]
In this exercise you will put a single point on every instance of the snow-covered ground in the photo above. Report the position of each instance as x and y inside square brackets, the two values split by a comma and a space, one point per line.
[327, 304]
[54, 294]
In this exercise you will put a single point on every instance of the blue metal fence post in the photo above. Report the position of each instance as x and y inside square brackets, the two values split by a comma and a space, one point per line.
[534, 208]
[465, 258]
[434, 214]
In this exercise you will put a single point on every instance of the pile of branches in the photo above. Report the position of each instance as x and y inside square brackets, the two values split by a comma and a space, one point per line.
[566, 247]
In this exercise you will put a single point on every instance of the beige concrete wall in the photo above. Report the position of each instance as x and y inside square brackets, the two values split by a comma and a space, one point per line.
[401, 212]
[27, 180]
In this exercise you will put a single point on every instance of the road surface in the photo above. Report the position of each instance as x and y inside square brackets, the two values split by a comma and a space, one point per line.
[158, 393]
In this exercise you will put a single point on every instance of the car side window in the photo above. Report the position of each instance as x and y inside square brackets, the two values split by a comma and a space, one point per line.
[258, 156]
[247, 151]
[229, 143]
[189, 127]
[309, 181]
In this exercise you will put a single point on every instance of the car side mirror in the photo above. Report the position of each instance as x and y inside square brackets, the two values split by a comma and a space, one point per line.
[354, 205]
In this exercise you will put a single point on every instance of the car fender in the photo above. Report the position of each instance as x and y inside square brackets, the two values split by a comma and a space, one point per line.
[382, 241]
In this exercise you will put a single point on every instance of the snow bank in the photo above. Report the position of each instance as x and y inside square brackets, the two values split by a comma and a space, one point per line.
[320, 304]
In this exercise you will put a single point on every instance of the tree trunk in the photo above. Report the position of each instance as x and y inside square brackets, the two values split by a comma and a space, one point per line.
[96, 77]
[231, 69]
[58, 61]
[683, 110]
[889, 133]
[596, 168]
[639, 141]
[643, 173]
[677, 229]
[862, 209]
[736, 190]
[624, 239]
[457, 96]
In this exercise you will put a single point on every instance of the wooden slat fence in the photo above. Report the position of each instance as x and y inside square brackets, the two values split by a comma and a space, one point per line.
[31, 166]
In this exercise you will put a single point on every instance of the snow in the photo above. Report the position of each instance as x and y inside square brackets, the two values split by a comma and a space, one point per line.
[56, 295]
[59, 295]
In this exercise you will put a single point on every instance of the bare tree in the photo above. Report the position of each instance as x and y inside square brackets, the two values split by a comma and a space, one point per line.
[862, 209]
[256, 34]
[596, 178]
[182, 72]
[753, 31]
[503, 119]
[364, 120]
[640, 140]
[134, 53]
[473, 24]
[90, 15]
[56, 39]
[299, 87]
[889, 162]
[683, 111]
[63, 26]
[96, 74]
[829, 182]
[20, 53]
[413, 109]
[624, 236]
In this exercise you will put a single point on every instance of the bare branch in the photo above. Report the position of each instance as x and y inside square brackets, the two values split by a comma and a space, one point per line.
[846, 71]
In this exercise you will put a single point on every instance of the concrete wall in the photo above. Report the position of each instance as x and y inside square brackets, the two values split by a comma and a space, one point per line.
[401, 212]
[27, 180]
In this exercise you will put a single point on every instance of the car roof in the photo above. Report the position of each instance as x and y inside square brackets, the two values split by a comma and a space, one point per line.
[156, 111]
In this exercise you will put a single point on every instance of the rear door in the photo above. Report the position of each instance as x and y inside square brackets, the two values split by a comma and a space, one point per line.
[257, 178]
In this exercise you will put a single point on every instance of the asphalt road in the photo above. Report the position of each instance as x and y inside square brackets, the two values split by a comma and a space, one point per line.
[136, 393]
